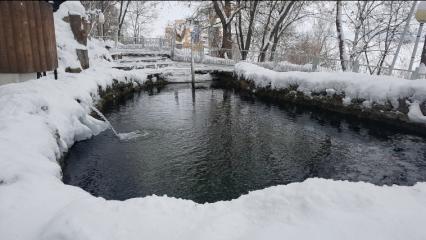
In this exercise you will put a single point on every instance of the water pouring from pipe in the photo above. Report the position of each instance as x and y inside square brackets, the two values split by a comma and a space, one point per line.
[121, 136]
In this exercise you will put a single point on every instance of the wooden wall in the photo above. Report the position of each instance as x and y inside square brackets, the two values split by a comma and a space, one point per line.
[27, 37]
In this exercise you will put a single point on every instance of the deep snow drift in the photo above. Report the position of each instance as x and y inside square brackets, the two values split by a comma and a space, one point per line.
[41, 118]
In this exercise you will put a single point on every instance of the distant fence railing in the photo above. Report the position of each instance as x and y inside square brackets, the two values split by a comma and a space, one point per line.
[290, 62]
[139, 43]
[275, 61]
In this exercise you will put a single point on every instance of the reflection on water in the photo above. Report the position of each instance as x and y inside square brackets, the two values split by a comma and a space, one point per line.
[209, 145]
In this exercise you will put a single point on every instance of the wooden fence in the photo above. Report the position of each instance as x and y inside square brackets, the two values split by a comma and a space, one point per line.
[27, 37]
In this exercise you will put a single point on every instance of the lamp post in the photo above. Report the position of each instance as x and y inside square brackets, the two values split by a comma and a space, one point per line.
[421, 18]
[407, 25]
[413, 55]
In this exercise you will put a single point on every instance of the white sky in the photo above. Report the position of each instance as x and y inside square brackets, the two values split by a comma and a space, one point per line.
[170, 11]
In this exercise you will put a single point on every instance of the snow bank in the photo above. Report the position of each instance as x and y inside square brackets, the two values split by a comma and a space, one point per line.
[314, 209]
[45, 115]
[370, 88]
[285, 66]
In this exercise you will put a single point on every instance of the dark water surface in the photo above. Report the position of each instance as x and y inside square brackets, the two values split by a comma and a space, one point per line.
[216, 145]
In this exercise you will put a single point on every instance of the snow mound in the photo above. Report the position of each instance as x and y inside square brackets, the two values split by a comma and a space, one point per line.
[285, 66]
[70, 8]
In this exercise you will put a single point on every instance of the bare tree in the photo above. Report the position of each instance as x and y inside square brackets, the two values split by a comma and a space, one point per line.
[226, 14]
[295, 15]
[275, 27]
[340, 36]
[397, 14]
[246, 43]
[124, 6]
[109, 11]
[139, 15]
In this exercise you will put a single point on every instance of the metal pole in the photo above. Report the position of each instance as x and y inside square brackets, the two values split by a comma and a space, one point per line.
[407, 24]
[116, 39]
[413, 55]
[192, 66]
[172, 43]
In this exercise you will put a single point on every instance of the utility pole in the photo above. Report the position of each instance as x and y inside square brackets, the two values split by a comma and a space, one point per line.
[421, 18]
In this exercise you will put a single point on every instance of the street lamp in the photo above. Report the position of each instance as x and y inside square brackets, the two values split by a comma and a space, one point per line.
[407, 25]
[421, 18]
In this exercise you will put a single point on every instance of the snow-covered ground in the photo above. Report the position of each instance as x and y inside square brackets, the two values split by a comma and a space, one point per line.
[285, 66]
[40, 119]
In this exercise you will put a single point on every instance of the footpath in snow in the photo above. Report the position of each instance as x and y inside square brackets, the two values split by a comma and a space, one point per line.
[40, 119]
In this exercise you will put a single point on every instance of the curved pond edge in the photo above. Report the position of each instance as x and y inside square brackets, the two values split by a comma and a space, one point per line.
[118, 89]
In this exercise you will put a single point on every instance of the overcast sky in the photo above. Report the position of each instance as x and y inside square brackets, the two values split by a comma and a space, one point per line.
[169, 11]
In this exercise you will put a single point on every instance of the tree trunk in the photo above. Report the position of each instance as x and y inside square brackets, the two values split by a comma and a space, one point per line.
[340, 37]
[263, 51]
[274, 47]
[275, 30]
[423, 57]
[225, 19]
[247, 44]
[240, 34]
[226, 41]
[122, 15]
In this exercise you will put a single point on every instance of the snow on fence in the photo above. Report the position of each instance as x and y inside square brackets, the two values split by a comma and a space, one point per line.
[286, 63]
[200, 55]
[138, 43]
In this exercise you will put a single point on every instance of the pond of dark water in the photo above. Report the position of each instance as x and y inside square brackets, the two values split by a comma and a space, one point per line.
[213, 144]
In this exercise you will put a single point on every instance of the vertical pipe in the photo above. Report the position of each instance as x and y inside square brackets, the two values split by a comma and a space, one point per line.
[116, 39]
[413, 55]
[192, 66]
[407, 24]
